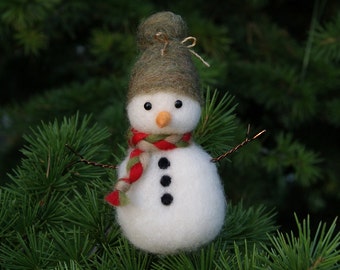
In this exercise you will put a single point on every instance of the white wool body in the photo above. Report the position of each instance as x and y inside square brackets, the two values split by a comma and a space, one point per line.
[193, 218]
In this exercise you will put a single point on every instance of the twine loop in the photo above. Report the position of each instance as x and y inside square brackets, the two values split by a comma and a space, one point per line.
[193, 44]
[163, 38]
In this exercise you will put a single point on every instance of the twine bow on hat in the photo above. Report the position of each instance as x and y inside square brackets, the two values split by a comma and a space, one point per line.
[163, 38]
[193, 44]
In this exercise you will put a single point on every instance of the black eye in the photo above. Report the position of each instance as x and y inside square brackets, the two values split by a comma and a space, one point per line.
[178, 104]
[147, 106]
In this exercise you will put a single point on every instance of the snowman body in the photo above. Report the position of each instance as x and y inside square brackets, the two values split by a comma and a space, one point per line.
[168, 195]
[178, 203]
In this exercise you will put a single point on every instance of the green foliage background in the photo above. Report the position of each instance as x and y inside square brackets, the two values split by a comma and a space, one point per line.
[278, 61]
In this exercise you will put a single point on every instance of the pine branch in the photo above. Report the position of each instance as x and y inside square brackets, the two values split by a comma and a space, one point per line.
[254, 224]
[129, 258]
[304, 163]
[70, 265]
[247, 258]
[30, 250]
[317, 10]
[327, 41]
[305, 251]
[205, 258]
[8, 218]
[217, 123]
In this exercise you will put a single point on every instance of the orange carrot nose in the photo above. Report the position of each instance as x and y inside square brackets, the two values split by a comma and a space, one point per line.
[163, 119]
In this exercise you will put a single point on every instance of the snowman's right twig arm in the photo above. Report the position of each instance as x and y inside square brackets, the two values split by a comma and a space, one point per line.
[89, 162]
[234, 149]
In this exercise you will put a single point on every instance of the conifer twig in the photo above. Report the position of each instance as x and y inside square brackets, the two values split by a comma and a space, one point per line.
[48, 164]
[88, 162]
[234, 149]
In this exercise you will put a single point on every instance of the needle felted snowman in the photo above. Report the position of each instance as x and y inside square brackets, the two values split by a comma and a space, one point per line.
[168, 196]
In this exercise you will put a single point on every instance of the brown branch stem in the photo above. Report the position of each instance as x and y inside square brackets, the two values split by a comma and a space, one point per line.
[89, 162]
[234, 149]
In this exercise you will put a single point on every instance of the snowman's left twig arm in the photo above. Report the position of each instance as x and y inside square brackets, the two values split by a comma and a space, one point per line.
[234, 149]
[89, 162]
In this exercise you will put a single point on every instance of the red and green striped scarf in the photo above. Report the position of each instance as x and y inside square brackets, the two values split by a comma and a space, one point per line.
[142, 145]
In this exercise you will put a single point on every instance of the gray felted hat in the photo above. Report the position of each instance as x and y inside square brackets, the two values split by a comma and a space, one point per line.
[165, 63]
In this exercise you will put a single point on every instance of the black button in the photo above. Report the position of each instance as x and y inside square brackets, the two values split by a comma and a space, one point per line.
[165, 180]
[163, 163]
[167, 199]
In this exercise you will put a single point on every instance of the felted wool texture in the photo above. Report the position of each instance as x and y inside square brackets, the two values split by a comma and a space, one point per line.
[169, 127]
[166, 22]
[196, 213]
[165, 63]
[183, 119]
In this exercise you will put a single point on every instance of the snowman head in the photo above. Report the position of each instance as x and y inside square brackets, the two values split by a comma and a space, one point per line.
[164, 94]
[164, 112]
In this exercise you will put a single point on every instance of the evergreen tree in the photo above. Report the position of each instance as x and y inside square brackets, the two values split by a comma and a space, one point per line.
[275, 66]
